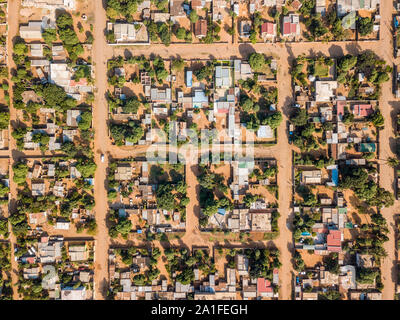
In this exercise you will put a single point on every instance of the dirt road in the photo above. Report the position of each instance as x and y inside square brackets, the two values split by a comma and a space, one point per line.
[282, 152]
[389, 265]
[101, 146]
[13, 25]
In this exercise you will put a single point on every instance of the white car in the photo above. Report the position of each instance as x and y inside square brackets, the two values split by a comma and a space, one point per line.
[102, 158]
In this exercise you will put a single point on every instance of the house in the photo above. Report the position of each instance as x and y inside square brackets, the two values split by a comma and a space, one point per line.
[71, 293]
[60, 74]
[58, 189]
[58, 53]
[264, 288]
[32, 31]
[62, 225]
[244, 28]
[291, 26]
[346, 6]
[73, 117]
[50, 4]
[200, 28]
[37, 171]
[84, 276]
[123, 172]
[325, 90]
[347, 277]
[223, 78]
[49, 249]
[320, 7]
[198, 4]
[77, 252]
[38, 218]
[363, 110]
[265, 132]
[334, 240]
[268, 30]
[311, 177]
[218, 9]
[160, 17]
[31, 273]
[176, 9]
[310, 296]
[124, 32]
[199, 99]
[242, 265]
[38, 189]
[365, 261]
[68, 135]
[36, 50]
[160, 95]
[260, 221]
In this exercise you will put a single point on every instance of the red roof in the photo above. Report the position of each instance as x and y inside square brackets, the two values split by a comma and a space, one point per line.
[296, 5]
[363, 110]
[293, 27]
[30, 260]
[334, 239]
[334, 249]
[263, 285]
[340, 107]
[81, 82]
[200, 28]
[276, 271]
[286, 28]
[267, 27]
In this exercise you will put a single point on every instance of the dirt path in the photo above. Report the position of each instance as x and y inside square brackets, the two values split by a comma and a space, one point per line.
[101, 146]
[389, 265]
[282, 152]
[13, 25]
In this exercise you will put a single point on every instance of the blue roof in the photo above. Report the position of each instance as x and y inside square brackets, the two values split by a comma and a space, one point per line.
[335, 176]
[90, 181]
[221, 211]
[72, 288]
[189, 76]
[139, 231]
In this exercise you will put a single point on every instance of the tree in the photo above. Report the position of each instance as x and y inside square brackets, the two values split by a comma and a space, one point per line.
[49, 35]
[178, 64]
[86, 121]
[131, 105]
[257, 61]
[124, 226]
[377, 119]
[82, 71]
[4, 119]
[181, 33]
[86, 167]
[165, 198]
[393, 162]
[274, 120]
[348, 62]
[299, 118]
[365, 26]
[20, 170]
[193, 16]
[20, 48]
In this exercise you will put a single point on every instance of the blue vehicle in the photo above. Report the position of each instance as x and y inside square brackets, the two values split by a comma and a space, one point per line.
[291, 129]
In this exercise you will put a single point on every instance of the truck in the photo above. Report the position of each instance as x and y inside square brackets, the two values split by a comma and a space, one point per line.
[396, 82]
[396, 40]
[398, 184]
[291, 129]
[398, 125]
